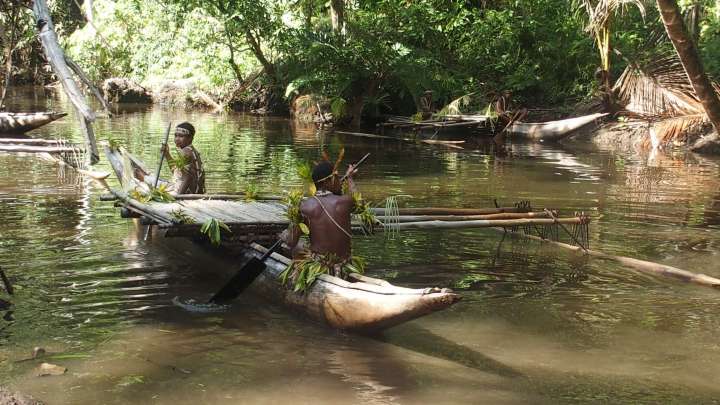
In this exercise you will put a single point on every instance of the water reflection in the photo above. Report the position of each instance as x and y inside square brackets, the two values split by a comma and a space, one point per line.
[536, 325]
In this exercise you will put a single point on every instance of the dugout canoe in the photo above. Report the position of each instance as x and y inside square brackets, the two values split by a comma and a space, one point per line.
[18, 123]
[552, 130]
[363, 304]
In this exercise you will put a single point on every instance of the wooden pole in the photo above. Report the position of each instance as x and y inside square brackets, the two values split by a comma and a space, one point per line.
[8, 286]
[30, 141]
[94, 90]
[640, 265]
[186, 197]
[420, 218]
[56, 57]
[38, 149]
[482, 223]
[449, 211]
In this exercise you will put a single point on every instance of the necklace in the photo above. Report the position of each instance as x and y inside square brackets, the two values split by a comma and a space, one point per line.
[322, 193]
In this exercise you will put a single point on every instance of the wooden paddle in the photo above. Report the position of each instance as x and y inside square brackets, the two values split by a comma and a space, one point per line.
[157, 174]
[162, 154]
[251, 270]
[244, 277]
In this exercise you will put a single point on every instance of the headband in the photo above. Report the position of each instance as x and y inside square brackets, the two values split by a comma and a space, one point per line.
[182, 131]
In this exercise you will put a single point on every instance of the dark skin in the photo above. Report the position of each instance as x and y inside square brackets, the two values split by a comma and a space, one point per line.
[182, 141]
[325, 236]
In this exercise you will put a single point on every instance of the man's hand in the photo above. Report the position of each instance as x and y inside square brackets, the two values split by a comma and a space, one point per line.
[165, 149]
[351, 170]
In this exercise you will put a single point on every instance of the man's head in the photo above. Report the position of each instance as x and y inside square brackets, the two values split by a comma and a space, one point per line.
[325, 178]
[184, 134]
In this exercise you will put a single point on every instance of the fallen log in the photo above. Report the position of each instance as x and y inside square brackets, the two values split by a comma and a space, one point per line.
[56, 57]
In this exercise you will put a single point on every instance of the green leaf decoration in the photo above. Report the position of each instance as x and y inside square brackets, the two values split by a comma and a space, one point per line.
[304, 228]
[212, 228]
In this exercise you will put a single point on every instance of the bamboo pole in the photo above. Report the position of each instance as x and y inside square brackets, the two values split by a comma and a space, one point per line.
[482, 223]
[144, 209]
[56, 57]
[449, 144]
[190, 197]
[448, 211]
[33, 141]
[38, 149]
[640, 265]
[420, 218]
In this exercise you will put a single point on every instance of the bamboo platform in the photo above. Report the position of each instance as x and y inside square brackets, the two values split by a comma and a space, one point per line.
[247, 220]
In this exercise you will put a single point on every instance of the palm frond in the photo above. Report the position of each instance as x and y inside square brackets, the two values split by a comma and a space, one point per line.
[658, 90]
[455, 106]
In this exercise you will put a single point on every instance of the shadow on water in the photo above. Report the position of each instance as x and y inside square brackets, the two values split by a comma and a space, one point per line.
[413, 337]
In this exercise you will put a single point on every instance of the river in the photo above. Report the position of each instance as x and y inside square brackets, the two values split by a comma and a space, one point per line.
[537, 324]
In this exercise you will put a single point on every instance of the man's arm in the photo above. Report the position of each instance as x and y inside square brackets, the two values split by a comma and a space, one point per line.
[351, 170]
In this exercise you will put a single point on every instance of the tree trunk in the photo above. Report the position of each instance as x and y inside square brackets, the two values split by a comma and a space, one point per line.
[337, 16]
[231, 59]
[56, 57]
[685, 48]
[89, 15]
[256, 49]
[357, 103]
[8, 51]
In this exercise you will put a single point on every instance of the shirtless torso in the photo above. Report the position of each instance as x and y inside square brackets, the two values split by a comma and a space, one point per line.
[328, 217]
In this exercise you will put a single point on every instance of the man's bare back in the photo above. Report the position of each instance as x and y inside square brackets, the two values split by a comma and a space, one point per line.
[328, 218]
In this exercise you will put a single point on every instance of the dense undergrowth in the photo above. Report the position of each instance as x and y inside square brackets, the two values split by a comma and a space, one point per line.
[374, 57]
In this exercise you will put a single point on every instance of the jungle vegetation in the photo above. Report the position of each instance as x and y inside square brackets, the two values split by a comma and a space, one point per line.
[370, 57]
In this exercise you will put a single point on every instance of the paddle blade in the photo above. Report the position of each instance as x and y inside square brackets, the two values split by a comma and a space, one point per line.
[239, 282]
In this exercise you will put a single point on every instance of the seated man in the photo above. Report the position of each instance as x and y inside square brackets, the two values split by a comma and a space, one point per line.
[327, 215]
[188, 174]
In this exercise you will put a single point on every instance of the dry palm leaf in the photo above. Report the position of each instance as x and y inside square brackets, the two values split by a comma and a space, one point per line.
[660, 92]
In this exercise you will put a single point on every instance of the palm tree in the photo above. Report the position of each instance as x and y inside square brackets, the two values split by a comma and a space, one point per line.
[686, 51]
[600, 15]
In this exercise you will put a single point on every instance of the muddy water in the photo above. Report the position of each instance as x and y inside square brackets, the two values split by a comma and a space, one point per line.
[536, 324]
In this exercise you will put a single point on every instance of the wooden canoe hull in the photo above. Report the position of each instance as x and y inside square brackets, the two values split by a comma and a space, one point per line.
[18, 123]
[364, 306]
[552, 130]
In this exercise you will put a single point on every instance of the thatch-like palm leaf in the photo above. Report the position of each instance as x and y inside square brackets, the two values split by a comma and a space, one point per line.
[659, 91]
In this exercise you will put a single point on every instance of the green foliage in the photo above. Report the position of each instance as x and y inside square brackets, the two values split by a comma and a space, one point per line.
[151, 42]
[252, 191]
[362, 211]
[293, 200]
[179, 161]
[303, 272]
[181, 216]
[212, 228]
[158, 194]
[392, 50]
